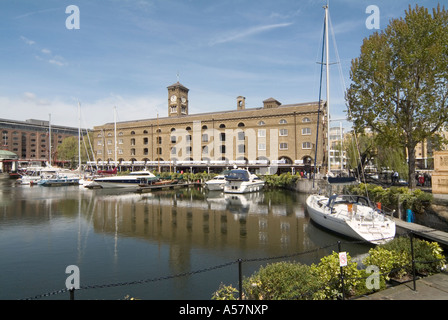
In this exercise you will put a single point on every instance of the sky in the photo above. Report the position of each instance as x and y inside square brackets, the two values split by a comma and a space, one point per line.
[125, 53]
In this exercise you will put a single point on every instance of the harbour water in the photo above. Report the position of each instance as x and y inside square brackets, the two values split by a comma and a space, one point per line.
[130, 245]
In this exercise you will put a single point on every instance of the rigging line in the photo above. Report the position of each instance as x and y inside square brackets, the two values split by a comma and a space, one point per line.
[355, 136]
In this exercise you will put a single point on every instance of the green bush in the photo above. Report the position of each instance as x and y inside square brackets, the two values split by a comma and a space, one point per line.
[416, 200]
[282, 281]
[295, 281]
[328, 270]
[391, 263]
[225, 293]
[428, 255]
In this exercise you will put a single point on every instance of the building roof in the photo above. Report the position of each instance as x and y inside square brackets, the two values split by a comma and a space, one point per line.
[5, 154]
[178, 84]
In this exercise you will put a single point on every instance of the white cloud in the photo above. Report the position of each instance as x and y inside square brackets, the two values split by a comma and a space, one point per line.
[248, 32]
[27, 41]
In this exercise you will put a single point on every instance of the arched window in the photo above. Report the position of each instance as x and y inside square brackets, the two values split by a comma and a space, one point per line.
[261, 123]
[283, 121]
[240, 124]
[306, 119]
[222, 125]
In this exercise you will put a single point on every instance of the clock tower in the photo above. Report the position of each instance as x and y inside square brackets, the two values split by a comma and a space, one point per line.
[177, 100]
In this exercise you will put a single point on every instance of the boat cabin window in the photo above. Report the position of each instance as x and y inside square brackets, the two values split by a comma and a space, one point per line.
[242, 175]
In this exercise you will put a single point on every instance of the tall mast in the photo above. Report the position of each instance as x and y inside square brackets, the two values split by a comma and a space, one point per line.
[115, 135]
[328, 86]
[49, 129]
[79, 138]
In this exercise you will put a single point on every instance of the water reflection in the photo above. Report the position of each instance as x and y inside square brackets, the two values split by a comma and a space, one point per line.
[116, 236]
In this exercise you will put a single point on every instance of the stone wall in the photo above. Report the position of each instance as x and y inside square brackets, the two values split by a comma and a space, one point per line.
[440, 175]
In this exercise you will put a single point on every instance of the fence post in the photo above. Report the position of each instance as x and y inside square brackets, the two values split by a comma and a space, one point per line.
[72, 293]
[411, 236]
[240, 278]
[342, 273]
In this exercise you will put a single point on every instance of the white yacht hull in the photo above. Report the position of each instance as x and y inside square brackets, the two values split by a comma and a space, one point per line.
[379, 231]
[243, 187]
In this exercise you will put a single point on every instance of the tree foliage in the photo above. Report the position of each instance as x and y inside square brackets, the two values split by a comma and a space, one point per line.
[399, 83]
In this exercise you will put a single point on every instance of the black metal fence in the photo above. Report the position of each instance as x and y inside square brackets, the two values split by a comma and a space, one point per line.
[341, 278]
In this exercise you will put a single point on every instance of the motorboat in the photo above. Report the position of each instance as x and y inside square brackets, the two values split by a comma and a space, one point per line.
[217, 183]
[33, 175]
[242, 181]
[352, 216]
[59, 180]
[133, 180]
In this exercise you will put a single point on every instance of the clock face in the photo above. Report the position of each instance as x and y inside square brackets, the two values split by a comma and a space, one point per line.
[173, 98]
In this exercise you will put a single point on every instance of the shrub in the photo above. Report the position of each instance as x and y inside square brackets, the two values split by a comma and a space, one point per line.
[328, 270]
[390, 262]
[428, 255]
[417, 200]
[282, 281]
[225, 293]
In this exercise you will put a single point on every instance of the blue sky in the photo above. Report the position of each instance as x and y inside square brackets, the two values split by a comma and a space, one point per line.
[126, 52]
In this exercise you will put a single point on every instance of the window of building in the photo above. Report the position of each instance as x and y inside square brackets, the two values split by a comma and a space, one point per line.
[173, 109]
[306, 145]
[204, 137]
[261, 123]
[205, 149]
[132, 132]
[223, 136]
[132, 142]
[283, 146]
[132, 152]
[306, 119]
[145, 140]
[173, 139]
[145, 151]
[222, 125]
[159, 151]
[283, 132]
[173, 150]
[120, 141]
[241, 148]
[283, 121]
[306, 131]
[262, 146]
[188, 150]
[159, 140]
[145, 131]
[223, 149]
[261, 133]
[241, 135]
[240, 124]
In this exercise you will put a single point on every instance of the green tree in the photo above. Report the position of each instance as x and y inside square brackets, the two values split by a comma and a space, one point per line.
[68, 150]
[399, 83]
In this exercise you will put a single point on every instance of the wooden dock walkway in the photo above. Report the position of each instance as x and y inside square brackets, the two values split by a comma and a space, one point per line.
[423, 231]
[149, 188]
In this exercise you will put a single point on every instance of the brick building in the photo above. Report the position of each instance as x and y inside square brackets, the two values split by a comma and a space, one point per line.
[30, 139]
[277, 135]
